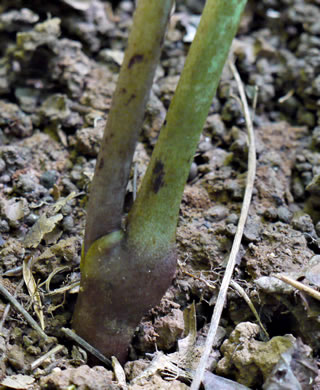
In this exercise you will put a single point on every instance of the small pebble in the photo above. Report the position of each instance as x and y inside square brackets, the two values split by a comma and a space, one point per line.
[66, 209]
[205, 145]
[231, 230]
[216, 126]
[252, 229]
[26, 183]
[216, 213]
[193, 171]
[5, 179]
[76, 174]
[49, 178]
[31, 219]
[15, 224]
[2, 165]
[231, 111]
[232, 218]
[69, 186]
[68, 224]
[303, 223]
[271, 214]
[284, 214]
[235, 189]
[4, 226]
[300, 158]
[48, 199]
[15, 356]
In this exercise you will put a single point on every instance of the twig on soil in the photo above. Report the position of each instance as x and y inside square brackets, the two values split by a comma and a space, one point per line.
[16, 271]
[25, 314]
[237, 239]
[245, 296]
[84, 344]
[7, 309]
[42, 358]
[300, 286]
[287, 96]
[208, 284]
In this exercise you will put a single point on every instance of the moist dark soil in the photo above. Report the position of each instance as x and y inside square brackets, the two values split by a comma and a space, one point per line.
[59, 63]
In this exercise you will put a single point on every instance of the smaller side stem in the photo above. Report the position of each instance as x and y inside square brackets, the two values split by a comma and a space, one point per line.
[153, 219]
[105, 206]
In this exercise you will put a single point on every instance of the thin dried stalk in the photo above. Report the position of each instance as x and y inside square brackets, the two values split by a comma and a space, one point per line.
[237, 239]
[299, 286]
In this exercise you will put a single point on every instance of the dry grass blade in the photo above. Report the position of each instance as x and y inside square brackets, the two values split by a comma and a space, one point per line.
[237, 239]
[245, 296]
[52, 274]
[41, 359]
[33, 290]
[64, 289]
[299, 286]
[119, 373]
[186, 346]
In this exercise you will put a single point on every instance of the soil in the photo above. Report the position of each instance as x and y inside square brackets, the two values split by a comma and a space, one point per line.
[59, 63]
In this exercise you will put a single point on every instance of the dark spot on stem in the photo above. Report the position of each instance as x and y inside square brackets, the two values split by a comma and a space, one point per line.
[108, 138]
[158, 174]
[123, 90]
[101, 163]
[132, 97]
[135, 60]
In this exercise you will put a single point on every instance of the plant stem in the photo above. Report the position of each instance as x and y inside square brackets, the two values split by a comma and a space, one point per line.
[125, 273]
[118, 286]
[105, 206]
[153, 218]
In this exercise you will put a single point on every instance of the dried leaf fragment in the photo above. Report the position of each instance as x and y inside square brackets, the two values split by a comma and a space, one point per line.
[18, 381]
[33, 290]
[43, 226]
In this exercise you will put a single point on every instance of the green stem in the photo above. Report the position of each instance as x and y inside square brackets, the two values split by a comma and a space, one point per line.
[105, 206]
[153, 219]
[124, 274]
